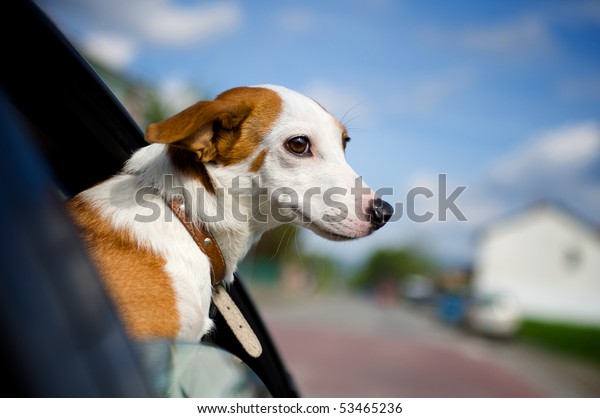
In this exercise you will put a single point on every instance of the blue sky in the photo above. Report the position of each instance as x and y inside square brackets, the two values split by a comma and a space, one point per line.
[501, 96]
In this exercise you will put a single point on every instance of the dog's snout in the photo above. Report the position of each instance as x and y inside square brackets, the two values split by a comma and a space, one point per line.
[381, 212]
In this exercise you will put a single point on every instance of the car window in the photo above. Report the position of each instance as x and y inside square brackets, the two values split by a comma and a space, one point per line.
[181, 370]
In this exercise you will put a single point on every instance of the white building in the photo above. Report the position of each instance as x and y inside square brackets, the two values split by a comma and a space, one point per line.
[548, 260]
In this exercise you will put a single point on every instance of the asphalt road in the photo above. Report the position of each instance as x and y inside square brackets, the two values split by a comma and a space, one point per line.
[347, 347]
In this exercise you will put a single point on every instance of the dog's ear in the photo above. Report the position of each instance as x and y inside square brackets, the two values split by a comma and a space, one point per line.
[198, 127]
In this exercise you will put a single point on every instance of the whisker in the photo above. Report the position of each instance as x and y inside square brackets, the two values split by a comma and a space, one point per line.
[291, 229]
[279, 245]
[342, 119]
[354, 129]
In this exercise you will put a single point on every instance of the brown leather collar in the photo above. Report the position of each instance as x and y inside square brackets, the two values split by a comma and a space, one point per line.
[205, 241]
[226, 306]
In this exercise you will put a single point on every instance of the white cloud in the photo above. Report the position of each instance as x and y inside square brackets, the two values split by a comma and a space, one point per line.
[524, 35]
[571, 146]
[168, 24]
[520, 35]
[127, 25]
[112, 50]
[529, 34]
[176, 93]
[558, 154]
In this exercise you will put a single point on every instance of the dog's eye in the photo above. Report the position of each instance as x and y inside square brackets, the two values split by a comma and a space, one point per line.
[345, 140]
[299, 145]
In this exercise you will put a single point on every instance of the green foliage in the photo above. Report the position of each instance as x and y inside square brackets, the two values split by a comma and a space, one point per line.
[327, 271]
[153, 109]
[278, 245]
[394, 265]
[574, 340]
[265, 260]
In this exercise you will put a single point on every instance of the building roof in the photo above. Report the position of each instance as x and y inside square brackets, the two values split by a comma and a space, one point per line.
[541, 204]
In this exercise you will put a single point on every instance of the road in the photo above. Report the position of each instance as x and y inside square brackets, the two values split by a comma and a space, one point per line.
[348, 347]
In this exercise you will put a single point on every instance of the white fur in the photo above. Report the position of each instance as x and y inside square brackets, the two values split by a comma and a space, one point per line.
[186, 264]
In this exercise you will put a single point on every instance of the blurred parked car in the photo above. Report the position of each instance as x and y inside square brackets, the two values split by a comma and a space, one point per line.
[496, 315]
[419, 289]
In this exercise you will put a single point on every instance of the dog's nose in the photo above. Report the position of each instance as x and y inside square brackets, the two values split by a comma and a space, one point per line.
[381, 212]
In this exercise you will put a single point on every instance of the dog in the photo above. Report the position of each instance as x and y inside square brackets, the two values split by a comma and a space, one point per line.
[241, 164]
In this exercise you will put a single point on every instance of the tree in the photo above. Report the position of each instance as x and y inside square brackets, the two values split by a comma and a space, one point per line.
[393, 265]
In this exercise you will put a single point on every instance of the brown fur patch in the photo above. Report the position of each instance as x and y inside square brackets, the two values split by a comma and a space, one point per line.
[186, 162]
[258, 161]
[238, 144]
[134, 277]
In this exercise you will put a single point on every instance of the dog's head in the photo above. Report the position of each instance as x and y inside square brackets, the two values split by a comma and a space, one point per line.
[291, 149]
